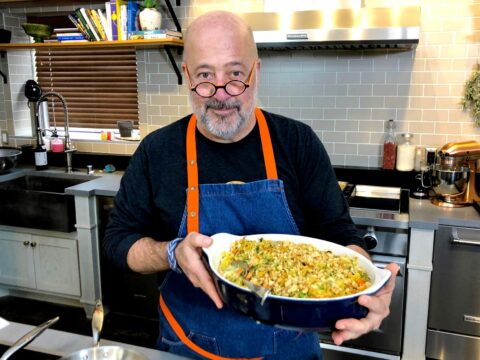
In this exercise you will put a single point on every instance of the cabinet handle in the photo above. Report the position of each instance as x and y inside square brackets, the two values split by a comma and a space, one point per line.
[456, 239]
[26, 243]
[33, 244]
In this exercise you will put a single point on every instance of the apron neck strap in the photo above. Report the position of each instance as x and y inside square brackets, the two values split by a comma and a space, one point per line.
[193, 197]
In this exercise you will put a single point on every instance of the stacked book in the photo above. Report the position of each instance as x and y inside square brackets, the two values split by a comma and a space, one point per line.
[154, 34]
[70, 34]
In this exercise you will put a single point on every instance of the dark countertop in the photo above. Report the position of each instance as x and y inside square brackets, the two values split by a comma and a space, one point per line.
[422, 213]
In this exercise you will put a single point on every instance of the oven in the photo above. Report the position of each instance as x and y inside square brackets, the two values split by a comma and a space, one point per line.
[383, 222]
[125, 293]
[454, 311]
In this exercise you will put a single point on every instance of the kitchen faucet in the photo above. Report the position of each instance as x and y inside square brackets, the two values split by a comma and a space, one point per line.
[69, 148]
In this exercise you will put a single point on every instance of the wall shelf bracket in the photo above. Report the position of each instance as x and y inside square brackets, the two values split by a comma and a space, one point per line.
[173, 15]
[168, 50]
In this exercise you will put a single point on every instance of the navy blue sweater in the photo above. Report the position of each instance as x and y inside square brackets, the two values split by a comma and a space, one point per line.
[152, 197]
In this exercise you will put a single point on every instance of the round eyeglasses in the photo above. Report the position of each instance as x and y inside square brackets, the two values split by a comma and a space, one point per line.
[233, 87]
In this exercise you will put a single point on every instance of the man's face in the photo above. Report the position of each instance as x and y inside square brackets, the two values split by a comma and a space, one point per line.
[219, 57]
[224, 115]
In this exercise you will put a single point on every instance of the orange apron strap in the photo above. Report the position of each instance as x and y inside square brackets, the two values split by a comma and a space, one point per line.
[268, 156]
[191, 345]
[192, 174]
[193, 197]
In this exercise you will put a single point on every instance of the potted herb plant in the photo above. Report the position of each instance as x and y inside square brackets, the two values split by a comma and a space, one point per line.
[150, 18]
[471, 97]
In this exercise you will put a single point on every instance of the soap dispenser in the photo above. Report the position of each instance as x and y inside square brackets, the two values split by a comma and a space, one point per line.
[56, 143]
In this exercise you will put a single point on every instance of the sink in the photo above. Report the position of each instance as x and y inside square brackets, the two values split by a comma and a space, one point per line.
[378, 198]
[39, 201]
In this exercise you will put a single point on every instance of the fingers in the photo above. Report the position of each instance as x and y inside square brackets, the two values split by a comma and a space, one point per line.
[378, 306]
[189, 258]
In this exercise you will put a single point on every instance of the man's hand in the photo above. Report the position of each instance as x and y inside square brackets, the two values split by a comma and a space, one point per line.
[378, 306]
[189, 258]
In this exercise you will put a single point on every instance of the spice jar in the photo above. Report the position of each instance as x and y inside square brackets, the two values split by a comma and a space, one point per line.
[389, 147]
[406, 153]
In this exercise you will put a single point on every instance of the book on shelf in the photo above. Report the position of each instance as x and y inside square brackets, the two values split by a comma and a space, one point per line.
[97, 24]
[73, 40]
[132, 16]
[86, 24]
[105, 24]
[74, 19]
[63, 34]
[70, 38]
[120, 16]
[155, 34]
[65, 30]
[83, 13]
[123, 21]
[114, 15]
[108, 17]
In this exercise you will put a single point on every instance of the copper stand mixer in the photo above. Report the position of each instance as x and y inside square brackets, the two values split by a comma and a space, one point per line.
[453, 174]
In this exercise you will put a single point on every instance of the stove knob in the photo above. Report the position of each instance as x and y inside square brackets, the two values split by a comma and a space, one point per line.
[370, 238]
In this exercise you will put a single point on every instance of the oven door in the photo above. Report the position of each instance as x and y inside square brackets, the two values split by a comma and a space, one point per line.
[454, 311]
[388, 339]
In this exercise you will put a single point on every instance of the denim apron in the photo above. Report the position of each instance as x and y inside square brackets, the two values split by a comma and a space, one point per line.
[190, 324]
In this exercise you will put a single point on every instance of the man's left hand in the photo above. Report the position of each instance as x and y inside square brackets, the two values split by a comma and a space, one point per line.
[378, 306]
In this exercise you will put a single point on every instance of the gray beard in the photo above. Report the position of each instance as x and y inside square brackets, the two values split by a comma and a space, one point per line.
[224, 127]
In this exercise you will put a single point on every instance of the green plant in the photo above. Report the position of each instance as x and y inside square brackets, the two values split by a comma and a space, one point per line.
[149, 4]
[471, 97]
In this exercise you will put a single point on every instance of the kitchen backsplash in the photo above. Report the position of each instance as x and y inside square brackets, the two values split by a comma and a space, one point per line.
[346, 96]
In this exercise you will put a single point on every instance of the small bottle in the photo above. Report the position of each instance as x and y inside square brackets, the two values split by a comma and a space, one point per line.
[41, 160]
[389, 147]
[406, 153]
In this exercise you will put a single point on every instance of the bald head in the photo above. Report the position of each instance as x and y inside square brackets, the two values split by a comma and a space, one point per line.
[218, 31]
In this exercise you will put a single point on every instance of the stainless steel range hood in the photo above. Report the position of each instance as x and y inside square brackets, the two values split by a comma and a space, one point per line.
[364, 28]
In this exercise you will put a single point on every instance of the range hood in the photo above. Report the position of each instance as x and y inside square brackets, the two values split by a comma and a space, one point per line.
[363, 28]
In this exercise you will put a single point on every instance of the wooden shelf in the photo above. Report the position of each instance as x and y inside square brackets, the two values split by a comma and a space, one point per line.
[166, 44]
[95, 44]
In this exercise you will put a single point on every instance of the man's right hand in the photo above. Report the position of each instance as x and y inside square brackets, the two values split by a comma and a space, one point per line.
[189, 257]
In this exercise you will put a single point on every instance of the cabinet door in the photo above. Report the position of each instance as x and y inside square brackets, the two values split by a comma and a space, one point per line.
[56, 265]
[16, 260]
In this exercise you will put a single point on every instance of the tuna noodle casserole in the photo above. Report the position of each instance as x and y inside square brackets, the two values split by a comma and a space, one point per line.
[292, 269]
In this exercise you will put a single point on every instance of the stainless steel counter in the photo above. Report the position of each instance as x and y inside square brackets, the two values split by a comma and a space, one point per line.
[61, 343]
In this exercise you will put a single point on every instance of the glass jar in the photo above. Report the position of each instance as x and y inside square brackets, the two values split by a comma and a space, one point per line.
[389, 147]
[406, 153]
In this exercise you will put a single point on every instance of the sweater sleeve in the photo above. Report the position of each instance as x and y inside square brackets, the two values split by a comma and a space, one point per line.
[132, 214]
[326, 210]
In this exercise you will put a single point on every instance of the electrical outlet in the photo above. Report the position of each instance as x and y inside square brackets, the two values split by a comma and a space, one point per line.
[4, 137]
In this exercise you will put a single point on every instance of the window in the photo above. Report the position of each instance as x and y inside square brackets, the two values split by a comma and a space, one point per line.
[99, 85]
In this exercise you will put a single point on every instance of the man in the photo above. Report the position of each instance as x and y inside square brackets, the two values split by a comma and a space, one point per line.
[228, 168]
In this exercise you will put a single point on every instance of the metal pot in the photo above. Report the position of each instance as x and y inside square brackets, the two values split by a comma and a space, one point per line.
[8, 158]
[449, 179]
[95, 352]
[106, 353]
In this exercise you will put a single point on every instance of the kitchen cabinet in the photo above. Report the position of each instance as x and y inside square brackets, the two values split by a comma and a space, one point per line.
[39, 262]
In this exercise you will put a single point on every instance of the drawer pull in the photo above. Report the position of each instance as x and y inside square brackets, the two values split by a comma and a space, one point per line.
[456, 239]
[471, 318]
[26, 243]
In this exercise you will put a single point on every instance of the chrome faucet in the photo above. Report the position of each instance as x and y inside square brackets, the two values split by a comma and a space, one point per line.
[69, 148]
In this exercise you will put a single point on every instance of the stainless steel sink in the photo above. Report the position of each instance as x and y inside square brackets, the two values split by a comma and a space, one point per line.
[39, 201]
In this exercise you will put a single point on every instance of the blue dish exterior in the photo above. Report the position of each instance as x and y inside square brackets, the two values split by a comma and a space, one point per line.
[318, 315]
